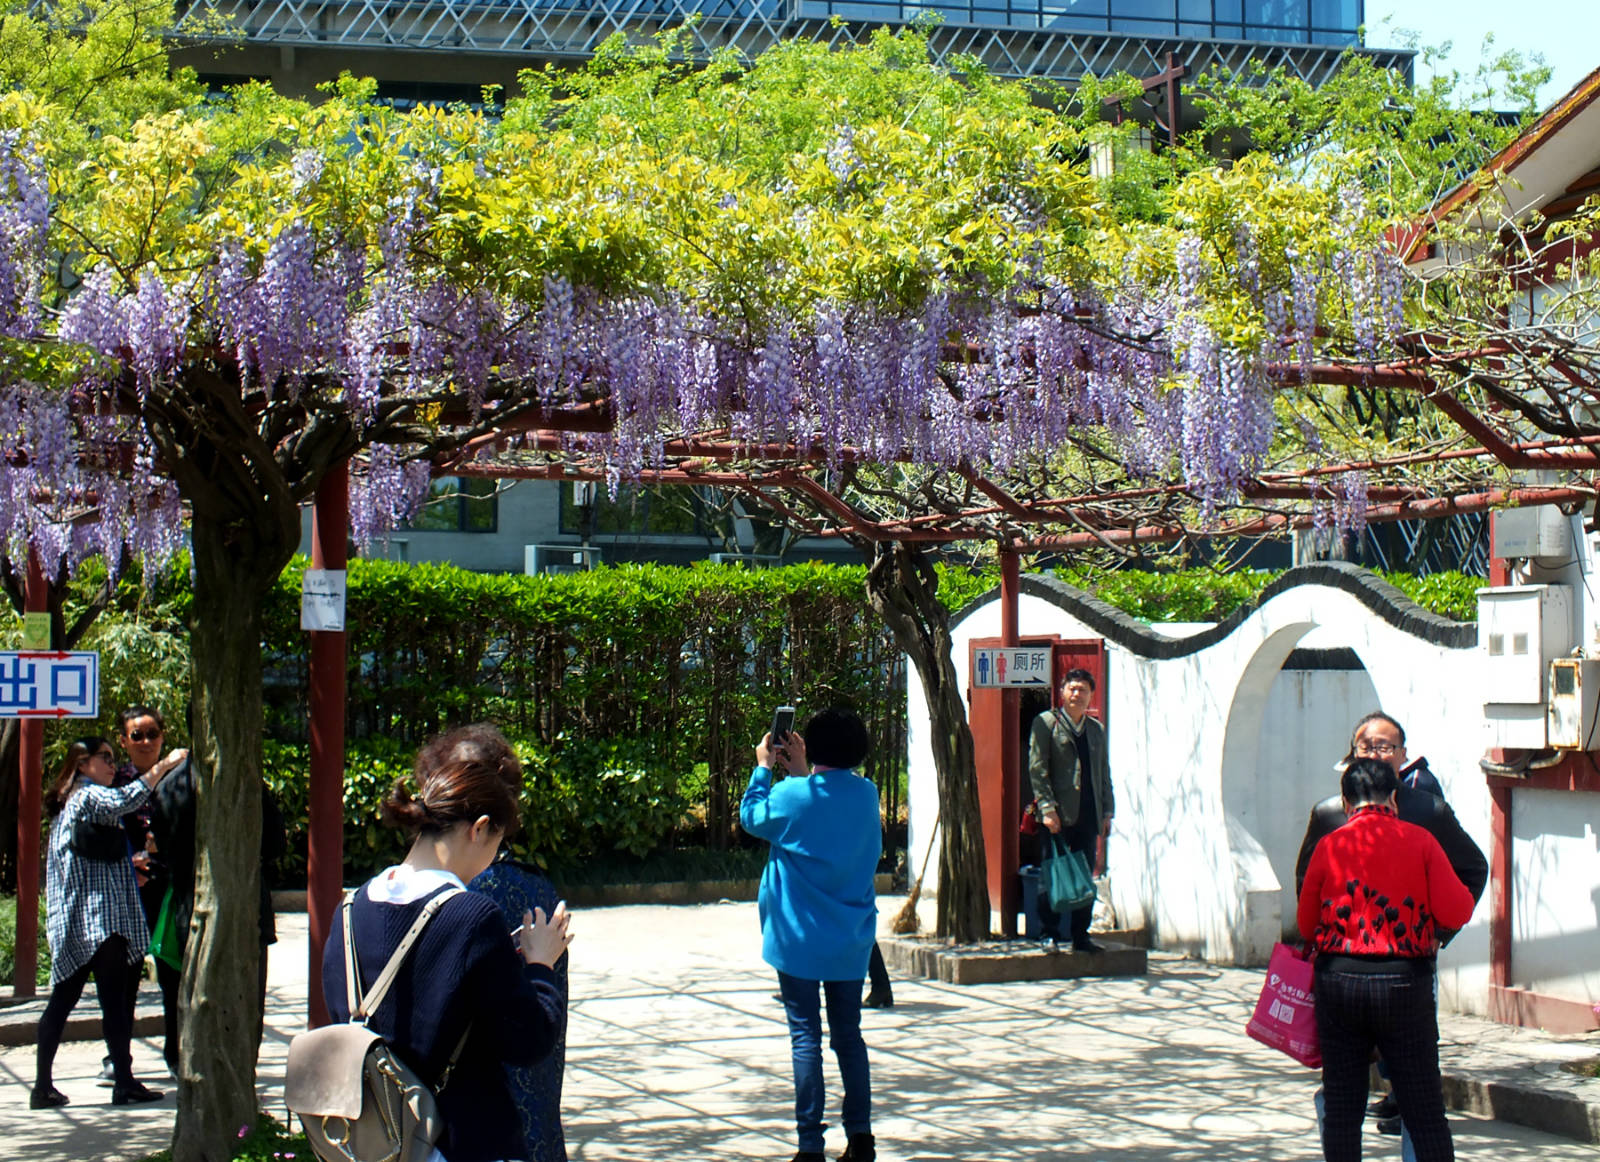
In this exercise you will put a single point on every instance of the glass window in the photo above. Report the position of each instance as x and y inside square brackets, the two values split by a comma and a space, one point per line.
[1075, 14]
[1335, 15]
[1150, 17]
[638, 511]
[458, 504]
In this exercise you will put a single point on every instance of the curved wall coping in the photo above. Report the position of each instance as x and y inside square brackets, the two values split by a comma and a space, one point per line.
[1382, 598]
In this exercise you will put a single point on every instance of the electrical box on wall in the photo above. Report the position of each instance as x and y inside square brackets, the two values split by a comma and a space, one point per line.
[1521, 630]
[1540, 532]
[1574, 694]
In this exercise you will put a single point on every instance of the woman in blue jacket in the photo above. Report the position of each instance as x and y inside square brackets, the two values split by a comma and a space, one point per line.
[818, 909]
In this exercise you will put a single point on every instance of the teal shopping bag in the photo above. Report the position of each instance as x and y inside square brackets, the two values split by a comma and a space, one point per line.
[1066, 874]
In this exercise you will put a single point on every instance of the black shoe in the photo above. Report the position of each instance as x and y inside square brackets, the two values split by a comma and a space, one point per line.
[1385, 1107]
[1087, 945]
[47, 1099]
[108, 1074]
[877, 1000]
[134, 1093]
[810, 1156]
[1389, 1125]
[1047, 944]
[862, 1148]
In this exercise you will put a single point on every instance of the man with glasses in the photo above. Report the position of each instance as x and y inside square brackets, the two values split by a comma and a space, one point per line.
[1420, 800]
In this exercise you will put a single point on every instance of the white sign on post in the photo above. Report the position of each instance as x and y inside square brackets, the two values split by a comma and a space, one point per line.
[49, 684]
[322, 600]
[1014, 667]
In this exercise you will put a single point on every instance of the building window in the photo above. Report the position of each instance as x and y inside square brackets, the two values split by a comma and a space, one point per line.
[458, 504]
[588, 510]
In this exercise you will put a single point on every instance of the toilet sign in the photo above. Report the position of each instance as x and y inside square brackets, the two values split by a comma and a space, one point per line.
[1009, 668]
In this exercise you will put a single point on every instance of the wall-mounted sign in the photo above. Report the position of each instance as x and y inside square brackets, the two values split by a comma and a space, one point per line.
[1010, 667]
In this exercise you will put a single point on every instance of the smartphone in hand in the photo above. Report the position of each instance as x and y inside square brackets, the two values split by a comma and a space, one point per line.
[782, 724]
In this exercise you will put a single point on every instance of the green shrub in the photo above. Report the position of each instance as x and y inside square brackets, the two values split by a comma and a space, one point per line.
[266, 1141]
[611, 799]
[8, 943]
[1205, 595]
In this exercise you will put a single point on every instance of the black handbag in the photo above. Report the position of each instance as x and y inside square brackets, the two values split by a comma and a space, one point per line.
[106, 842]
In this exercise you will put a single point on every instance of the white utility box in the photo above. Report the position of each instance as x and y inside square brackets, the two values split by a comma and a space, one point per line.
[1574, 694]
[559, 558]
[1521, 630]
[1540, 532]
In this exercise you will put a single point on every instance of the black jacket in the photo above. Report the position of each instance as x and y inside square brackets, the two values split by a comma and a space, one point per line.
[1423, 808]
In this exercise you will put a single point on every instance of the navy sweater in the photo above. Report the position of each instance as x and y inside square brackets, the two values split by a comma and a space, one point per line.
[462, 971]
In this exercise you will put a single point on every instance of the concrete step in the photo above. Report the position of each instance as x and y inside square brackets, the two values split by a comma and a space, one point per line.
[1004, 961]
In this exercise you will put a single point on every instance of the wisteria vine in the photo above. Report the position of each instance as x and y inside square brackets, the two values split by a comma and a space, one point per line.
[994, 378]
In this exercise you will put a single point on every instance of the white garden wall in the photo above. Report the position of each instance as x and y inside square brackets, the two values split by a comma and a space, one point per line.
[1217, 756]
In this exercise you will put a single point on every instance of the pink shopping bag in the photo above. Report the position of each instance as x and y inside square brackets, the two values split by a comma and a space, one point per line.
[1285, 1016]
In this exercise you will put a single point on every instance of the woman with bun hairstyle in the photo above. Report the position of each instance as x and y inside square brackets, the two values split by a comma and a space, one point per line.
[94, 919]
[463, 1005]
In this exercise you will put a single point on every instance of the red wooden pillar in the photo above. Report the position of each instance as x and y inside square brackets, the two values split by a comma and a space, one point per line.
[1004, 862]
[30, 769]
[1500, 886]
[330, 523]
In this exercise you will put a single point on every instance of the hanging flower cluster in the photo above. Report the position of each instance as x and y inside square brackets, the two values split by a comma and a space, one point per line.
[973, 346]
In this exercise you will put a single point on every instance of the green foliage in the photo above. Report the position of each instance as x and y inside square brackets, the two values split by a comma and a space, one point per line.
[1452, 595]
[8, 943]
[1205, 595]
[634, 695]
[269, 1140]
[143, 639]
[1190, 595]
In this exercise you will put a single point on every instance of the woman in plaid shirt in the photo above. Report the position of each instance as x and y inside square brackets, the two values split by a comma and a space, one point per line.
[95, 923]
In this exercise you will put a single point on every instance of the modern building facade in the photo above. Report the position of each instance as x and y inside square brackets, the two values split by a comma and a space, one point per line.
[429, 48]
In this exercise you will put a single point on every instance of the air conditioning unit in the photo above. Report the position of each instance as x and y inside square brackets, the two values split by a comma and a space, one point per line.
[559, 558]
[748, 560]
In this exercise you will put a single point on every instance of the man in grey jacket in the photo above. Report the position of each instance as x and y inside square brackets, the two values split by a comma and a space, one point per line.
[1071, 777]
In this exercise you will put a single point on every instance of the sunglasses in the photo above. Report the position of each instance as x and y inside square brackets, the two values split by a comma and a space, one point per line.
[143, 735]
[101, 754]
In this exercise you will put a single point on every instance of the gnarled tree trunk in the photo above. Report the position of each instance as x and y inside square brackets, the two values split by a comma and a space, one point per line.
[219, 996]
[902, 585]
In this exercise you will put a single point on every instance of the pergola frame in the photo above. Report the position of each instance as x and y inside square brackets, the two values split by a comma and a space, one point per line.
[570, 443]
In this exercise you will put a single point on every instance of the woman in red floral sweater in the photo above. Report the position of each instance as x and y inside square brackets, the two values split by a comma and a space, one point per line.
[1375, 894]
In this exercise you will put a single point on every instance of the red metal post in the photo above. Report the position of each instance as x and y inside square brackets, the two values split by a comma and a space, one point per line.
[30, 769]
[330, 523]
[1004, 862]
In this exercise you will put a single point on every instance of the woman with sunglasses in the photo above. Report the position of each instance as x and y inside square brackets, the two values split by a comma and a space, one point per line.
[95, 923]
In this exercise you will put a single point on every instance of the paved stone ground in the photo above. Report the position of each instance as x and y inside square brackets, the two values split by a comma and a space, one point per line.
[679, 1052]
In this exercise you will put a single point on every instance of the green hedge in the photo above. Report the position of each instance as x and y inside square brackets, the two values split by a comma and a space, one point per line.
[8, 943]
[634, 694]
[1206, 595]
[602, 799]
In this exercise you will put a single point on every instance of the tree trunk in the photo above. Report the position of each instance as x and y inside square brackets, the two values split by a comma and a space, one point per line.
[219, 996]
[901, 585]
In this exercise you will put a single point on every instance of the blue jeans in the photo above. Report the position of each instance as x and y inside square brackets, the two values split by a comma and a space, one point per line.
[802, 1004]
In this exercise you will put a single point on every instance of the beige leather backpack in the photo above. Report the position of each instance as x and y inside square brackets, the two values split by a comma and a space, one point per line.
[357, 1101]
